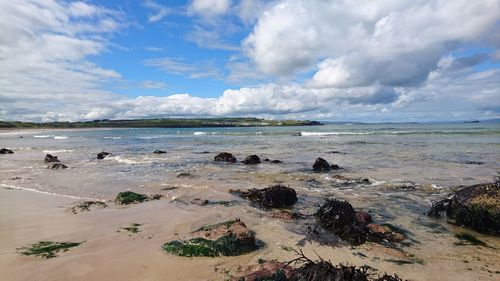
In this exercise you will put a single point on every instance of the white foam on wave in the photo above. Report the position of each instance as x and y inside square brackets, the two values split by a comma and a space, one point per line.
[60, 137]
[43, 136]
[9, 186]
[314, 134]
[199, 133]
[58, 151]
[113, 138]
[127, 161]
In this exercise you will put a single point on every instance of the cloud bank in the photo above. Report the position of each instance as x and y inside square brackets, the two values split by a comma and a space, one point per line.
[350, 60]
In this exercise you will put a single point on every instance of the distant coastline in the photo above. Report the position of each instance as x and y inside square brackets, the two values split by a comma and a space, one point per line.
[159, 123]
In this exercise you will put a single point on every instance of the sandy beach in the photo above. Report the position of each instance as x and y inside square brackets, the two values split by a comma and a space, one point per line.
[36, 202]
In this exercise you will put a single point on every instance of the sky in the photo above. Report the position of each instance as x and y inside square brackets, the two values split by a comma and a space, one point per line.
[348, 60]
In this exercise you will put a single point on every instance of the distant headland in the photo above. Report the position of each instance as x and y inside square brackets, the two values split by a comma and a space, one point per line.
[160, 123]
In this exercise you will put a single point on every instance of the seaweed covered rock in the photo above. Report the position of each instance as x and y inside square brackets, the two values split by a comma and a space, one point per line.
[225, 157]
[311, 270]
[321, 165]
[252, 159]
[102, 155]
[275, 196]
[46, 249]
[50, 159]
[6, 151]
[230, 238]
[129, 197]
[339, 218]
[476, 207]
[159, 152]
[57, 166]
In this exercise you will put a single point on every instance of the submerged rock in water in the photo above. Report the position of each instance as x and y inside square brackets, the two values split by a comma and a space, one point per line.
[339, 218]
[102, 155]
[321, 165]
[476, 207]
[276, 161]
[225, 157]
[275, 196]
[129, 197]
[252, 159]
[230, 238]
[6, 151]
[50, 159]
[57, 166]
[159, 152]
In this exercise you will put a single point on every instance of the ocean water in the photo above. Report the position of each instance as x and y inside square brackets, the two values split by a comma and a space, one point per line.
[431, 157]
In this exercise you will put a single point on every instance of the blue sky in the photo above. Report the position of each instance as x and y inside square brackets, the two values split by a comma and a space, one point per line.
[325, 60]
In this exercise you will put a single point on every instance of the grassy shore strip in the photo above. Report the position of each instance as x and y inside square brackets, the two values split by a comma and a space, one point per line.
[160, 123]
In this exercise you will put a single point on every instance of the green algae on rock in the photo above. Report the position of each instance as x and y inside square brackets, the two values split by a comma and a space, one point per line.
[129, 197]
[231, 238]
[476, 207]
[46, 249]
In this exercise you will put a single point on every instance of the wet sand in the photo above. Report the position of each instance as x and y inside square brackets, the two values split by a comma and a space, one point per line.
[27, 217]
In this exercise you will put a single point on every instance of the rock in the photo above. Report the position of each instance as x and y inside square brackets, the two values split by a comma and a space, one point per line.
[275, 196]
[286, 215]
[57, 166]
[363, 217]
[321, 165]
[299, 134]
[159, 152]
[385, 232]
[102, 155]
[50, 159]
[129, 197]
[268, 270]
[339, 218]
[199, 202]
[252, 159]
[6, 151]
[225, 157]
[476, 207]
[276, 162]
[183, 174]
[266, 160]
[230, 238]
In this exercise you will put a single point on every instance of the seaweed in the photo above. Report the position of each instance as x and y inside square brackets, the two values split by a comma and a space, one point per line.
[133, 228]
[228, 245]
[86, 206]
[46, 249]
[129, 197]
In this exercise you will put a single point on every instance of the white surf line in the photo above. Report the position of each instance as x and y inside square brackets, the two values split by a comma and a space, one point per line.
[8, 186]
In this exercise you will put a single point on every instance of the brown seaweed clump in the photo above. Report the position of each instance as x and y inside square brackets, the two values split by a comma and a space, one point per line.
[339, 218]
[274, 196]
[476, 207]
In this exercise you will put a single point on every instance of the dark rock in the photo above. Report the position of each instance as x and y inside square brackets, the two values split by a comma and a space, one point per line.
[473, 163]
[50, 159]
[299, 134]
[230, 238]
[339, 218]
[275, 196]
[252, 159]
[266, 160]
[321, 165]
[57, 166]
[6, 151]
[363, 217]
[183, 174]
[199, 202]
[102, 155]
[276, 162]
[225, 157]
[159, 152]
[476, 206]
